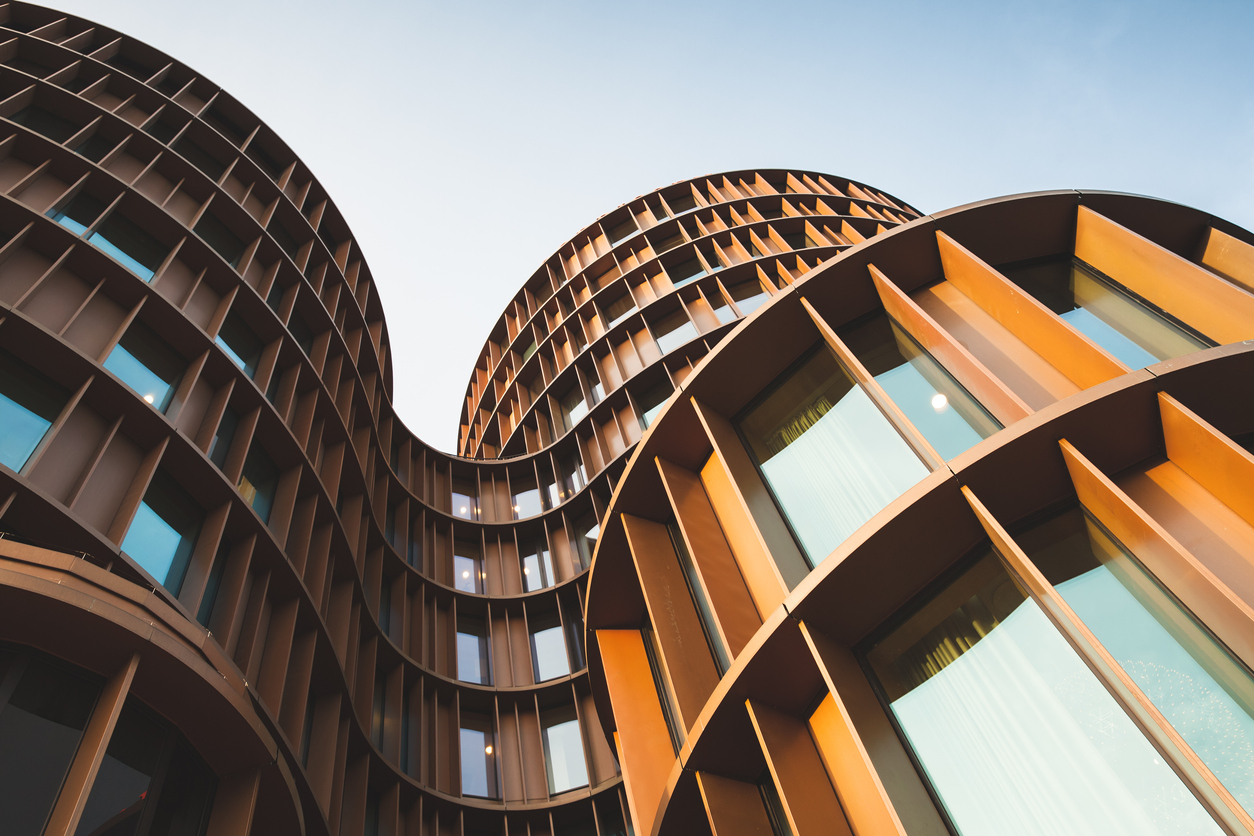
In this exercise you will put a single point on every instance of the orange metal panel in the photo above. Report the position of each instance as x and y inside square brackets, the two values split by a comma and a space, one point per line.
[734, 808]
[1218, 309]
[1230, 257]
[1219, 465]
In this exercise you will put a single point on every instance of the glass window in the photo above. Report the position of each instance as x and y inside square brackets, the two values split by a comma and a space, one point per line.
[682, 202]
[147, 364]
[721, 309]
[945, 413]
[185, 796]
[259, 481]
[594, 384]
[213, 584]
[622, 231]
[618, 310]
[673, 331]
[686, 271]
[1193, 680]
[385, 606]
[163, 534]
[121, 787]
[1106, 313]
[240, 343]
[127, 243]
[526, 495]
[465, 499]
[774, 805]
[40, 728]
[662, 685]
[573, 406]
[221, 444]
[478, 756]
[530, 350]
[79, 213]
[301, 332]
[748, 296]
[573, 476]
[587, 530]
[563, 750]
[378, 708]
[95, 147]
[467, 567]
[42, 121]
[472, 650]
[29, 403]
[549, 659]
[829, 455]
[537, 568]
[1012, 729]
[700, 600]
[653, 400]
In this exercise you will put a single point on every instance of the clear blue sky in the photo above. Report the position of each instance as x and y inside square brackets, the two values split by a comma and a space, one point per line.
[465, 141]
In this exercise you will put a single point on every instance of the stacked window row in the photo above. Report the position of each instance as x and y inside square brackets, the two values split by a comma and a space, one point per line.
[250, 214]
[633, 246]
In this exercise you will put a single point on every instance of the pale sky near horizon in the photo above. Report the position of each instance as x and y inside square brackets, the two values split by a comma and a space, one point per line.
[465, 142]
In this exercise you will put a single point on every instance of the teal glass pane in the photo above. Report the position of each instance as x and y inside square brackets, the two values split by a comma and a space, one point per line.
[1206, 694]
[1013, 731]
[548, 647]
[1132, 332]
[829, 455]
[146, 383]
[23, 430]
[130, 245]
[121, 256]
[152, 542]
[945, 413]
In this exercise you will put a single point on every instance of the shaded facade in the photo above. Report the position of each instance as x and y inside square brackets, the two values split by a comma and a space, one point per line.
[236, 594]
[956, 535]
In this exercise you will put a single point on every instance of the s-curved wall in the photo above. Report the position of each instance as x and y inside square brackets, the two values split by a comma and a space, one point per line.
[213, 519]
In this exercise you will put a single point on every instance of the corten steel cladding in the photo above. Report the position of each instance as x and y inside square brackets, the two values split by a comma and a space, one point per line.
[213, 517]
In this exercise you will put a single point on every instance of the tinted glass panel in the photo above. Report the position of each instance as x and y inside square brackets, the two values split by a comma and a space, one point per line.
[472, 651]
[29, 403]
[259, 482]
[975, 676]
[40, 728]
[748, 296]
[147, 364]
[80, 213]
[127, 243]
[573, 406]
[548, 650]
[673, 331]
[563, 752]
[1192, 679]
[945, 413]
[121, 786]
[240, 343]
[829, 455]
[186, 796]
[467, 574]
[163, 534]
[218, 235]
[537, 569]
[1098, 308]
[45, 122]
[686, 271]
[478, 758]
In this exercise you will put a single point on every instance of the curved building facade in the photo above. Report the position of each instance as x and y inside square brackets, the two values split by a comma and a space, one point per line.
[954, 535]
[236, 594]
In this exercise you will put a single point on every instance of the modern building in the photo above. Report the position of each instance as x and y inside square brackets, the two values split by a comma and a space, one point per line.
[955, 535]
[237, 596]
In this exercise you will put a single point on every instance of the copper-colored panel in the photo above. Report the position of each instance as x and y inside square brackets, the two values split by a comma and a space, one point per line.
[734, 808]
[1230, 257]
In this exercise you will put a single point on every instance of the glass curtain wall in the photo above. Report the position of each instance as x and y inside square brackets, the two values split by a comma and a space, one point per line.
[830, 456]
[974, 674]
[1134, 332]
[29, 403]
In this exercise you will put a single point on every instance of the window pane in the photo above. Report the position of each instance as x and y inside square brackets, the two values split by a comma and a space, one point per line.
[573, 406]
[221, 444]
[127, 243]
[467, 571]
[1192, 679]
[240, 343]
[618, 310]
[587, 530]
[537, 569]
[80, 213]
[45, 122]
[40, 729]
[478, 758]
[1103, 312]
[653, 400]
[548, 650]
[1013, 730]
[147, 364]
[673, 331]
[29, 403]
[465, 499]
[563, 752]
[186, 795]
[121, 786]
[829, 455]
[748, 296]
[472, 651]
[259, 482]
[948, 417]
[686, 271]
[164, 532]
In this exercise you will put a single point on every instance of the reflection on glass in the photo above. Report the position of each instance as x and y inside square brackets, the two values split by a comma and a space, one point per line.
[40, 727]
[130, 245]
[686, 271]
[829, 455]
[721, 309]
[147, 364]
[526, 495]
[618, 310]
[240, 343]
[748, 296]
[78, 214]
[221, 444]
[587, 530]
[121, 786]
[1135, 334]
[1192, 679]
[948, 417]
[29, 403]
[164, 531]
[467, 567]
[548, 648]
[673, 331]
[1013, 730]
[259, 481]
[465, 499]
[472, 650]
[537, 569]
[573, 407]
[572, 473]
[478, 757]
[652, 401]
[563, 750]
